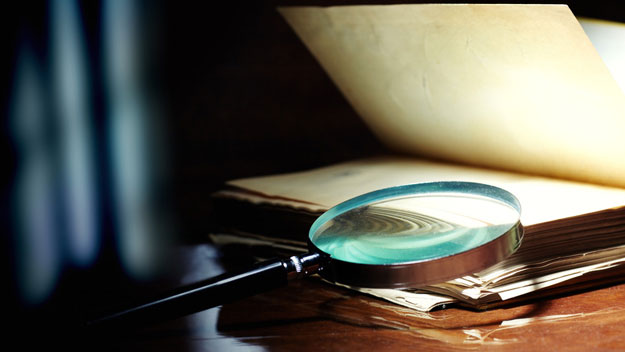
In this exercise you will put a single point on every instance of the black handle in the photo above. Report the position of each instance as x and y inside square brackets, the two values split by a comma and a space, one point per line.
[212, 292]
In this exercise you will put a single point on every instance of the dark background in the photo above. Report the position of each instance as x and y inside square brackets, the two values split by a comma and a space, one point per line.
[238, 95]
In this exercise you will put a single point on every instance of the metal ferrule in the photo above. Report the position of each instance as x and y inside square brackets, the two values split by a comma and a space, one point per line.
[299, 266]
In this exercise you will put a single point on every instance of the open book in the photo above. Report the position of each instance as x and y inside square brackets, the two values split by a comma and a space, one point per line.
[515, 96]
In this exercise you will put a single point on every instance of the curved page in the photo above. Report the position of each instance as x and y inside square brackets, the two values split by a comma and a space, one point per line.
[516, 87]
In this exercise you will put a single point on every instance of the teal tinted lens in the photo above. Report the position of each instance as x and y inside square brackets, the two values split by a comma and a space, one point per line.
[415, 223]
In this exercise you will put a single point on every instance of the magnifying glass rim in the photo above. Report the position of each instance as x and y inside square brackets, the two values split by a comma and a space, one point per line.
[427, 271]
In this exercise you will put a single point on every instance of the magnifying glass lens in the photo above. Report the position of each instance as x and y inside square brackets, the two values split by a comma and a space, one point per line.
[413, 228]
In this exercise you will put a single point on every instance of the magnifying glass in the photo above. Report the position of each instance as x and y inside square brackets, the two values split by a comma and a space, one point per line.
[398, 237]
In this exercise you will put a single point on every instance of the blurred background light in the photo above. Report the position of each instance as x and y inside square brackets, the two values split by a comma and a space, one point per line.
[71, 95]
[87, 190]
[131, 136]
[609, 40]
[33, 203]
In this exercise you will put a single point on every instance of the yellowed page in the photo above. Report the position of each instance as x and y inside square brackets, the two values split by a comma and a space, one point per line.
[517, 87]
[542, 199]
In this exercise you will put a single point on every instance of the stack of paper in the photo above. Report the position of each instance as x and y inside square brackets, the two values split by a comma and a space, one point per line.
[573, 231]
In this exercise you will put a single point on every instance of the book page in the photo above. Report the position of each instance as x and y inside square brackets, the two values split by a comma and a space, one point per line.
[542, 199]
[515, 87]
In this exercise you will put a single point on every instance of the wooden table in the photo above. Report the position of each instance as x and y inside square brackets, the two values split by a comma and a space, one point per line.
[310, 315]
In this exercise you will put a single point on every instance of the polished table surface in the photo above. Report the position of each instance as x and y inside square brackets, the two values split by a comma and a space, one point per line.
[310, 315]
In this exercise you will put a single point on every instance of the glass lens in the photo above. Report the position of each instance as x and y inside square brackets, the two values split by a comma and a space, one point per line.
[413, 223]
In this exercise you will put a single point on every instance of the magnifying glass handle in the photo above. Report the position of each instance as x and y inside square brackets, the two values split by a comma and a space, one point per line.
[213, 292]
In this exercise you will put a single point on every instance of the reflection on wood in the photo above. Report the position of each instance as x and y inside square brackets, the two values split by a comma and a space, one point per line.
[311, 314]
